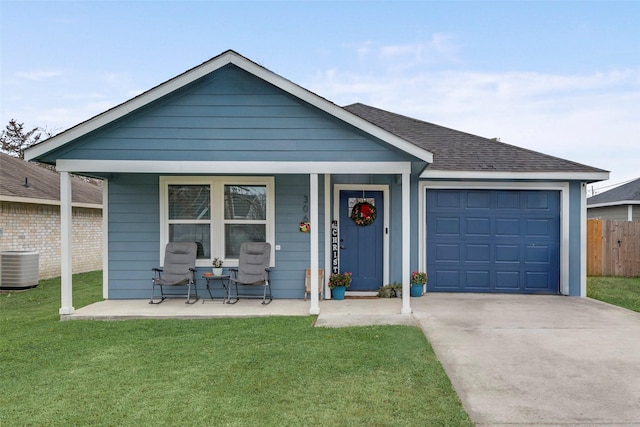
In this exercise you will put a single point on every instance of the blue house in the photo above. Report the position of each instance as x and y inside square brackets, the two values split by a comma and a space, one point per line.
[229, 151]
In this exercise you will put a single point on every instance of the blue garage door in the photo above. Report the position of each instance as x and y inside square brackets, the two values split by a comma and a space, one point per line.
[493, 241]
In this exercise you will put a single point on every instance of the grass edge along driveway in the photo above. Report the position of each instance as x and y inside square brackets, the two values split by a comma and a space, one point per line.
[277, 371]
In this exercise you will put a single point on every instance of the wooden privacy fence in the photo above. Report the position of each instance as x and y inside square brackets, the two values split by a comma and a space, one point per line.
[613, 248]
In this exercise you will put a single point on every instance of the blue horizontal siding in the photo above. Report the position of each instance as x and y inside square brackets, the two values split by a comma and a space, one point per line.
[134, 236]
[230, 115]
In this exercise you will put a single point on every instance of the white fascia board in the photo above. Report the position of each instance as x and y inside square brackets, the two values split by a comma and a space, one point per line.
[235, 167]
[562, 176]
[618, 203]
[498, 185]
[34, 201]
[201, 71]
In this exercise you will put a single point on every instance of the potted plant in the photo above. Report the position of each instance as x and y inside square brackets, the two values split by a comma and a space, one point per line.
[338, 283]
[392, 290]
[418, 280]
[217, 267]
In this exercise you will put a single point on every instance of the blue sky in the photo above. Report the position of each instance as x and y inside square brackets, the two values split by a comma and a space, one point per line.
[560, 77]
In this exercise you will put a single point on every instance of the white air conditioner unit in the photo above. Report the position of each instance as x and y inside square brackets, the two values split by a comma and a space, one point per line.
[19, 269]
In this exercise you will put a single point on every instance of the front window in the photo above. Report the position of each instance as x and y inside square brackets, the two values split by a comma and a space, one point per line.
[245, 216]
[190, 216]
[218, 213]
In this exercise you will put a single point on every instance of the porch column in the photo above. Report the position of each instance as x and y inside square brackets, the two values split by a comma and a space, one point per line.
[66, 248]
[406, 242]
[313, 251]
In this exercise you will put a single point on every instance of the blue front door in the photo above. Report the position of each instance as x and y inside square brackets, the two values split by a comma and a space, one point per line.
[361, 247]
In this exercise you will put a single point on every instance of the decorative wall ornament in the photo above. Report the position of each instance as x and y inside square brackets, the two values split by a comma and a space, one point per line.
[305, 226]
[363, 213]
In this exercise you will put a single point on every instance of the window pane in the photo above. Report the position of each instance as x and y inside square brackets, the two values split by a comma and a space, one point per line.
[199, 233]
[235, 234]
[245, 202]
[189, 202]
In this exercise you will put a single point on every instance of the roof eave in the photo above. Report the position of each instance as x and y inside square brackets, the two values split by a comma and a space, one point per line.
[616, 203]
[493, 175]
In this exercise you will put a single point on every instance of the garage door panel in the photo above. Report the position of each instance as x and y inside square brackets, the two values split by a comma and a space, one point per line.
[450, 279]
[538, 254]
[478, 200]
[477, 253]
[537, 200]
[447, 253]
[478, 226]
[507, 200]
[536, 281]
[448, 199]
[507, 280]
[506, 227]
[493, 241]
[447, 226]
[479, 280]
[508, 253]
[538, 227]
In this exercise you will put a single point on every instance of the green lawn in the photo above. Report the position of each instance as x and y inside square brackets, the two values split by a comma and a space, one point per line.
[237, 372]
[621, 291]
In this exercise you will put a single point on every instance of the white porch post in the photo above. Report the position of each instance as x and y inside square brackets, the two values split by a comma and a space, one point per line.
[406, 242]
[327, 232]
[313, 217]
[105, 239]
[66, 244]
[583, 240]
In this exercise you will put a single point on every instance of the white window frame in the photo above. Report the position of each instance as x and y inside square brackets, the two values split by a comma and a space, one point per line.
[217, 221]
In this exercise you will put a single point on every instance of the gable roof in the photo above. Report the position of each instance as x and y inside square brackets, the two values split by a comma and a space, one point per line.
[456, 151]
[225, 58]
[627, 194]
[42, 185]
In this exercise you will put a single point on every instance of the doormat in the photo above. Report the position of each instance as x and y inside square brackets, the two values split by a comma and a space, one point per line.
[360, 297]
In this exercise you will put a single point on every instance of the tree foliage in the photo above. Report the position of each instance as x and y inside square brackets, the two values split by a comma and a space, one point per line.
[15, 139]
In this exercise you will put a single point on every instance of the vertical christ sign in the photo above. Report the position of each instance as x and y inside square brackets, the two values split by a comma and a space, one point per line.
[334, 247]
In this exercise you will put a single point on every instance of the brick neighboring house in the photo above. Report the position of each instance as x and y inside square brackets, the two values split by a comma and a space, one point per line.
[30, 216]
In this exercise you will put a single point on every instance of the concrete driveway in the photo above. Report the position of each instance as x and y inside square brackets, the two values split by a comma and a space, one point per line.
[537, 360]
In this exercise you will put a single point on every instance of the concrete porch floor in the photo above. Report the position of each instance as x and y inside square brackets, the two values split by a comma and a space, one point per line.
[348, 312]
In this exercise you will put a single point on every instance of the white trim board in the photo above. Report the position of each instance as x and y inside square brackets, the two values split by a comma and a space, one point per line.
[385, 197]
[511, 175]
[235, 167]
[562, 187]
[608, 204]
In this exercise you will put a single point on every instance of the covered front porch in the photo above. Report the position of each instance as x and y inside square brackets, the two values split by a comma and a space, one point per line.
[348, 312]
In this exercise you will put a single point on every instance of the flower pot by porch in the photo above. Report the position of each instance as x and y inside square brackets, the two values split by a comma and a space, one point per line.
[338, 292]
[217, 271]
[416, 290]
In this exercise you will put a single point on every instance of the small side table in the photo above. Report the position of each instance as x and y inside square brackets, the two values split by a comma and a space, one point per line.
[224, 280]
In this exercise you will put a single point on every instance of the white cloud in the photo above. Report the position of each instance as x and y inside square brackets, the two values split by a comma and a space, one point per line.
[395, 57]
[589, 118]
[38, 75]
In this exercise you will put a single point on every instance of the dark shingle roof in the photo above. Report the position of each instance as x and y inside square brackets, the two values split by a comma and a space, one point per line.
[459, 151]
[626, 192]
[43, 183]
